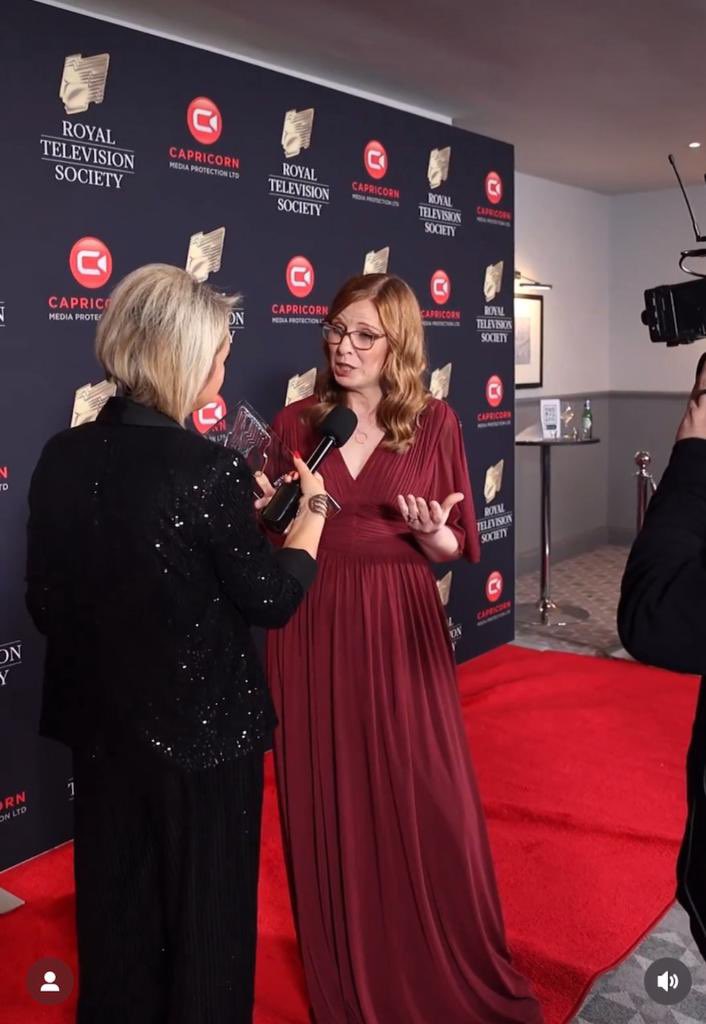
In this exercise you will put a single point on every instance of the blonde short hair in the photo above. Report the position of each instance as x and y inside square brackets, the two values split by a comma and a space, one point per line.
[159, 337]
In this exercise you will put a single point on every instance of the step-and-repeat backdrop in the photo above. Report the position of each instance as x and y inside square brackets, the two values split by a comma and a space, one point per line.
[121, 148]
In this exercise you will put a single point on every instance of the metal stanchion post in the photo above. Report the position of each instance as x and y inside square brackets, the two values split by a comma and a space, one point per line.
[645, 485]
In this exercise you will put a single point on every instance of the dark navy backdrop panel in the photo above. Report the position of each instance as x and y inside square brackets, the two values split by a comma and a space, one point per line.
[129, 172]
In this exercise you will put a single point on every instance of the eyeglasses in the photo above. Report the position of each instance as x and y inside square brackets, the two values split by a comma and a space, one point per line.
[333, 334]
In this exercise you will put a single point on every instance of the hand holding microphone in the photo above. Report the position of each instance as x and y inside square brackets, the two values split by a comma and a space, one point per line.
[282, 506]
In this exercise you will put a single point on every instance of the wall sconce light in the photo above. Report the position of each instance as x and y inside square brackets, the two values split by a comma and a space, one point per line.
[529, 284]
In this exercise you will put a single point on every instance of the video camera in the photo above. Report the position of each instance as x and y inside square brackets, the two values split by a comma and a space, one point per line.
[676, 313]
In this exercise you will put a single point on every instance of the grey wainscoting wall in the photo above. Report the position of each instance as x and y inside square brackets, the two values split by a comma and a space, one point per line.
[593, 488]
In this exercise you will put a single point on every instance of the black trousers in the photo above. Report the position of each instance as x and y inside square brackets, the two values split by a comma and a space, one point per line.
[166, 866]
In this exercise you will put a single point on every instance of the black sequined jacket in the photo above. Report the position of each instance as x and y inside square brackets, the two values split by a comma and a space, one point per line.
[145, 570]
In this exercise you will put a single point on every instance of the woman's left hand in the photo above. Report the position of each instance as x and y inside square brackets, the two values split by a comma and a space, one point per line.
[426, 518]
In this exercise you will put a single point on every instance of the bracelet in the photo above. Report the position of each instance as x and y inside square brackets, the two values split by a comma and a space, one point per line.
[319, 503]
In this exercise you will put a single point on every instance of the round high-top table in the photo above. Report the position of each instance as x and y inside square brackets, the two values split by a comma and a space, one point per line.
[546, 612]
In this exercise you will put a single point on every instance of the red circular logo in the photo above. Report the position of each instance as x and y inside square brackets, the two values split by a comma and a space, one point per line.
[375, 159]
[300, 276]
[91, 262]
[494, 587]
[207, 417]
[494, 391]
[440, 287]
[204, 120]
[494, 187]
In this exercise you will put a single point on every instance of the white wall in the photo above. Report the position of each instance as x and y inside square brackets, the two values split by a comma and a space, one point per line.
[648, 232]
[563, 237]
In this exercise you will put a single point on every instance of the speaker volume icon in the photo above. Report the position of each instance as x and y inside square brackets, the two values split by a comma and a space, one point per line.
[667, 981]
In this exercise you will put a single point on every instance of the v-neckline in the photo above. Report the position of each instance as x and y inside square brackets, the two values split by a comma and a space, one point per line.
[365, 465]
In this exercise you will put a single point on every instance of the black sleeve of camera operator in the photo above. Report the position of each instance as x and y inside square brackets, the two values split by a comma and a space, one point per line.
[662, 610]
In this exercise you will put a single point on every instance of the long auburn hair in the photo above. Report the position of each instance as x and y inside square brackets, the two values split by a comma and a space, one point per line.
[404, 395]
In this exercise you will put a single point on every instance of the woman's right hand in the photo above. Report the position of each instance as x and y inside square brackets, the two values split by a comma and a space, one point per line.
[310, 483]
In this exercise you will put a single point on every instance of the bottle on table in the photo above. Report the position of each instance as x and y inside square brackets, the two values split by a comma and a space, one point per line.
[587, 421]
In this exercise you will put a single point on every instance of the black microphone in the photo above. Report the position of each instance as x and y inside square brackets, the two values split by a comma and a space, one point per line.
[336, 429]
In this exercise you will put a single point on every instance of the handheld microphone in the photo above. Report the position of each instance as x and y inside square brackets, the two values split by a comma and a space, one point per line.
[336, 429]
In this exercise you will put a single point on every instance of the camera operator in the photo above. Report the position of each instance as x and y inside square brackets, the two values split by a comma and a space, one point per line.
[662, 618]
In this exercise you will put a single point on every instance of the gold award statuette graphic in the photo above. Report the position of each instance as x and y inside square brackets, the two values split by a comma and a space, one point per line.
[301, 386]
[438, 170]
[440, 382]
[89, 400]
[444, 587]
[83, 81]
[296, 131]
[493, 481]
[205, 252]
[493, 283]
[377, 262]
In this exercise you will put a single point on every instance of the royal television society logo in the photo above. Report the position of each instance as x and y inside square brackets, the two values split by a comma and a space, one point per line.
[206, 418]
[376, 165]
[83, 81]
[10, 659]
[494, 326]
[82, 153]
[437, 212]
[205, 253]
[296, 187]
[455, 628]
[4, 479]
[494, 191]
[438, 167]
[440, 314]
[496, 522]
[441, 382]
[300, 280]
[13, 806]
[296, 131]
[494, 416]
[495, 608]
[91, 264]
[205, 125]
[377, 261]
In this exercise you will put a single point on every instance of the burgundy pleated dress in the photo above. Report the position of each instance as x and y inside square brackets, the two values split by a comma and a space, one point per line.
[393, 887]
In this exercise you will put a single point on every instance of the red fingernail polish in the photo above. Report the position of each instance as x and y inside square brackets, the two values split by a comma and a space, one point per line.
[297, 455]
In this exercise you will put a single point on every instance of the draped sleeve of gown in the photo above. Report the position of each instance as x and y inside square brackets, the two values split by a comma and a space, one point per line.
[390, 871]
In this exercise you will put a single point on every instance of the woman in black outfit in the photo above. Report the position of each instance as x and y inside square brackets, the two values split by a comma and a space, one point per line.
[146, 570]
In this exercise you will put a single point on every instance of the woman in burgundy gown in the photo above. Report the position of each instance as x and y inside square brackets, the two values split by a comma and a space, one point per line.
[391, 876]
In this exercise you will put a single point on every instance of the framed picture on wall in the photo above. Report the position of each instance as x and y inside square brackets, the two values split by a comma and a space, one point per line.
[529, 341]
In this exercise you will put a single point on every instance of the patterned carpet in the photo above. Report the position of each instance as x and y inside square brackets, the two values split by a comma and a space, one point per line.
[592, 581]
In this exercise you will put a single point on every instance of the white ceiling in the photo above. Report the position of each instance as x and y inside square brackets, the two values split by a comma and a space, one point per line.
[593, 93]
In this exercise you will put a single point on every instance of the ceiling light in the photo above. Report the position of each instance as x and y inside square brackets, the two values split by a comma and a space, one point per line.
[694, 145]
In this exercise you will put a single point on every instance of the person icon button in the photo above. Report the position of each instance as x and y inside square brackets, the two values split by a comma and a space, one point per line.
[50, 981]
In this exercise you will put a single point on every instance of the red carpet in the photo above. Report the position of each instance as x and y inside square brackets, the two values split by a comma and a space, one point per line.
[580, 763]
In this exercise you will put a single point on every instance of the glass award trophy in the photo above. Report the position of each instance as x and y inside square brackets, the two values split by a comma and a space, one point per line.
[244, 430]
